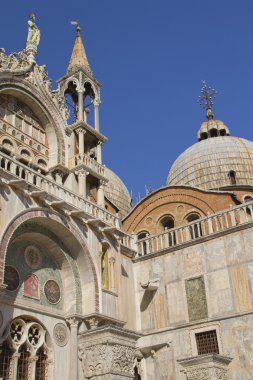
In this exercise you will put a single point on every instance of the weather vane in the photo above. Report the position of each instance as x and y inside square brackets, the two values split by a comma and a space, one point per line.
[76, 23]
[206, 99]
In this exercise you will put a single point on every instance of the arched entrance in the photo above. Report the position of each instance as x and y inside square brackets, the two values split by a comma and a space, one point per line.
[61, 245]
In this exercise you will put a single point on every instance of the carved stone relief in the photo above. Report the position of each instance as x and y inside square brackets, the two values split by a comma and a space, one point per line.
[60, 334]
[101, 358]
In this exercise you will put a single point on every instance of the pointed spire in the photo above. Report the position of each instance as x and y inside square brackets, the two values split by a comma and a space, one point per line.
[78, 58]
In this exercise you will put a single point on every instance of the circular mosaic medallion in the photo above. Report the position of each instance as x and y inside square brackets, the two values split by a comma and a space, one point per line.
[52, 291]
[11, 278]
[33, 257]
[60, 334]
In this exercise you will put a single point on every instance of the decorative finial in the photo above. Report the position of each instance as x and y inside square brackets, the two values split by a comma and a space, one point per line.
[76, 23]
[206, 99]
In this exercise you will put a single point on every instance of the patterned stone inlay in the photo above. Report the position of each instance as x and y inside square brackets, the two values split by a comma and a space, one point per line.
[196, 298]
[60, 334]
[33, 257]
[11, 278]
[52, 291]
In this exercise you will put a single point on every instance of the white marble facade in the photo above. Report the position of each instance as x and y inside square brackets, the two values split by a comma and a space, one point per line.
[80, 298]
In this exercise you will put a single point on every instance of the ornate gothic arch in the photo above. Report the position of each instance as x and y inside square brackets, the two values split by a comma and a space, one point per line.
[73, 238]
[45, 109]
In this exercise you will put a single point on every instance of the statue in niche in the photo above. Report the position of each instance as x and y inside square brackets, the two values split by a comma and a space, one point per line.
[33, 37]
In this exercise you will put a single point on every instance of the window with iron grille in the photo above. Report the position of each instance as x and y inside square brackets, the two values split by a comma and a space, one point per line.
[207, 342]
[5, 358]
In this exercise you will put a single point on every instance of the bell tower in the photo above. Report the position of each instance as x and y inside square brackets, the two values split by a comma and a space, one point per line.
[82, 93]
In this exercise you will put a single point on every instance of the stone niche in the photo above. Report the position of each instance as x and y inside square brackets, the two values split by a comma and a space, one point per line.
[107, 350]
[206, 367]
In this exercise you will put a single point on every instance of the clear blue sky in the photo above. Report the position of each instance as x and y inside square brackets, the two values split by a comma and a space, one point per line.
[150, 57]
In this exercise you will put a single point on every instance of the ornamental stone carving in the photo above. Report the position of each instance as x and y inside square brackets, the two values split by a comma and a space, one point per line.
[101, 358]
[60, 334]
[15, 62]
[207, 374]
[21, 64]
[206, 367]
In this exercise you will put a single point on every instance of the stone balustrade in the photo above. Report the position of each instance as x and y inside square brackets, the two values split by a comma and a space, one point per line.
[203, 227]
[52, 192]
[128, 241]
[89, 162]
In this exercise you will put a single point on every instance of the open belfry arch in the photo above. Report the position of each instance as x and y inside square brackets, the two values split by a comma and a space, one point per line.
[92, 287]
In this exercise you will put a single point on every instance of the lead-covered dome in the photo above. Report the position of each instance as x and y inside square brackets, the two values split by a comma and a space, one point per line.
[117, 193]
[214, 163]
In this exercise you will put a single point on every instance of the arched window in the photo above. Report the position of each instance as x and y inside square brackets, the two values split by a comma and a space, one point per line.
[105, 266]
[167, 223]
[247, 199]
[41, 365]
[5, 358]
[213, 132]
[195, 229]
[232, 177]
[27, 339]
[144, 246]
[23, 363]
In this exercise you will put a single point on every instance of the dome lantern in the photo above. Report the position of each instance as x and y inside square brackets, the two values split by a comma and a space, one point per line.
[210, 128]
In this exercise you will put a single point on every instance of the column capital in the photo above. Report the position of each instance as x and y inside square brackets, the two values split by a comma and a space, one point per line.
[73, 320]
[102, 182]
[82, 173]
[80, 130]
[32, 359]
[96, 102]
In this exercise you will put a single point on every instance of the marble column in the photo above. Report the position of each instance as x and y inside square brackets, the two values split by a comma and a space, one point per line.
[100, 194]
[80, 105]
[112, 274]
[73, 325]
[82, 174]
[81, 134]
[32, 367]
[96, 115]
[99, 152]
[14, 365]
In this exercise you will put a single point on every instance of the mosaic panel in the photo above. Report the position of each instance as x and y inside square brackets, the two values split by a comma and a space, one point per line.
[196, 298]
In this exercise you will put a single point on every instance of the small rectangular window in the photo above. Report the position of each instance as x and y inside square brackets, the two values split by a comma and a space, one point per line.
[207, 342]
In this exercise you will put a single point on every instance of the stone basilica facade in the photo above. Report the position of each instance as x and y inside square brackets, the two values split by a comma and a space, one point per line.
[92, 288]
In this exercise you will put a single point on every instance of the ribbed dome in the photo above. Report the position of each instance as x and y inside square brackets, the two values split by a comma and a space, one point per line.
[117, 193]
[209, 163]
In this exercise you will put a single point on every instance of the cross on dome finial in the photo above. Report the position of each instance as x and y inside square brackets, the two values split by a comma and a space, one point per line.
[206, 99]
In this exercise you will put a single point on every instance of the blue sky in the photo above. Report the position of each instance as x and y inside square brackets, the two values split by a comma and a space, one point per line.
[150, 57]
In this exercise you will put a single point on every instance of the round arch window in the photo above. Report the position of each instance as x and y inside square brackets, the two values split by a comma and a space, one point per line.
[195, 229]
[167, 222]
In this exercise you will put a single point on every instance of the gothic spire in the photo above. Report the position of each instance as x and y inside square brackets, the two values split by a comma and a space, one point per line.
[78, 58]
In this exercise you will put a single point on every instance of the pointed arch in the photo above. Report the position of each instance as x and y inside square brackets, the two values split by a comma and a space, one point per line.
[45, 109]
